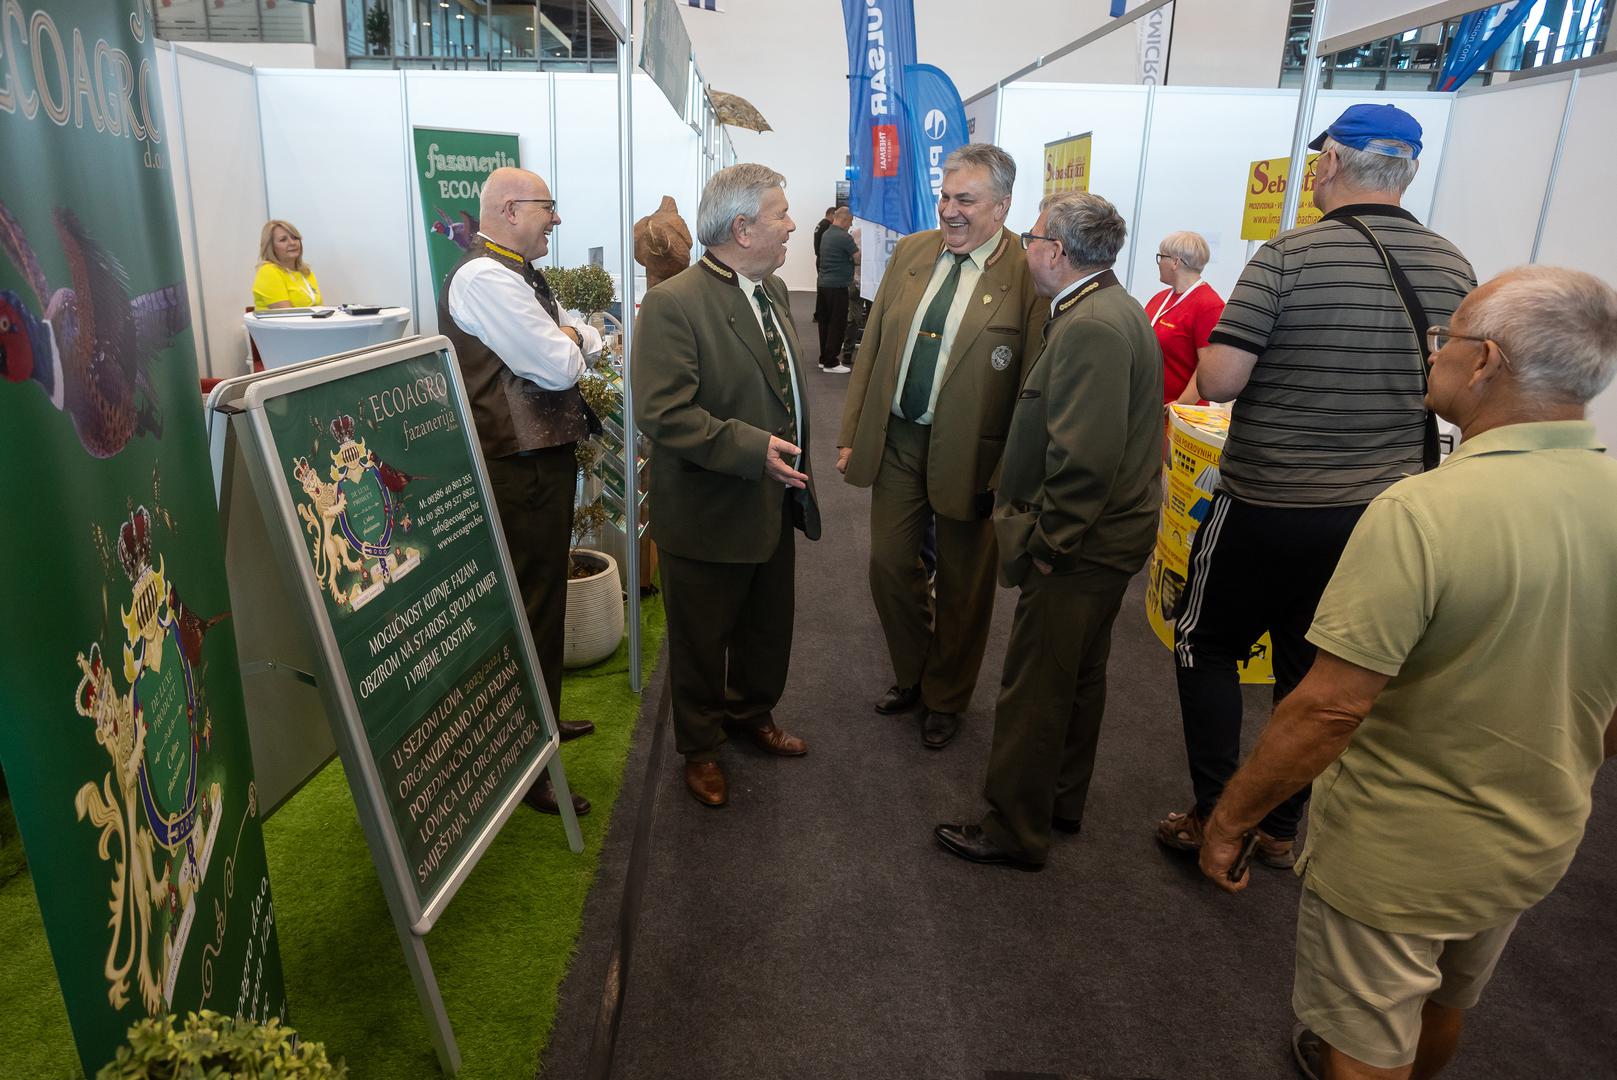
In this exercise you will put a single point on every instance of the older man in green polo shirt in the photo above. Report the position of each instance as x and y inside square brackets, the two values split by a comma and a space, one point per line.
[1464, 693]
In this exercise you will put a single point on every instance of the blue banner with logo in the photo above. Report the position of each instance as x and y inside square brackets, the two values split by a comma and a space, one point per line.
[937, 128]
[881, 45]
[1479, 36]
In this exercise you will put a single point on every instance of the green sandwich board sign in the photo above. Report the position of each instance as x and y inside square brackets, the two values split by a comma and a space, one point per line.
[122, 727]
[377, 508]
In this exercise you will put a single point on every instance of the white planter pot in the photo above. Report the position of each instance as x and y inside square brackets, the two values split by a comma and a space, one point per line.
[594, 613]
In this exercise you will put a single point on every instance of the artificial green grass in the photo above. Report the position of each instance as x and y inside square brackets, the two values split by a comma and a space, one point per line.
[500, 950]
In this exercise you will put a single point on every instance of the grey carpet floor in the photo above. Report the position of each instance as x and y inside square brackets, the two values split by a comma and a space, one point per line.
[813, 929]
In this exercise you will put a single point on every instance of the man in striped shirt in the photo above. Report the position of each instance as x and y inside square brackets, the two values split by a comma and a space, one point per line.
[1322, 357]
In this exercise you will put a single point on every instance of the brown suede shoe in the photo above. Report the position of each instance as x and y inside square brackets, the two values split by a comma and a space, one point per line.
[772, 740]
[706, 781]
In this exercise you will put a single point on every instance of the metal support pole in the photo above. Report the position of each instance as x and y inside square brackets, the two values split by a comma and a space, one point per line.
[426, 990]
[1139, 186]
[1555, 166]
[1307, 94]
[627, 308]
[411, 202]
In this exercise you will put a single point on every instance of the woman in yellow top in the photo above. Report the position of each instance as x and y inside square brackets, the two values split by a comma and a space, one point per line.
[283, 279]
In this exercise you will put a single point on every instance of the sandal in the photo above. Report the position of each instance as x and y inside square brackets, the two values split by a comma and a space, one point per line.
[1279, 854]
[1182, 832]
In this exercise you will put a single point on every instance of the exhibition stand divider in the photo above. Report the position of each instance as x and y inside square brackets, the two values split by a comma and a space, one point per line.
[393, 575]
[1178, 157]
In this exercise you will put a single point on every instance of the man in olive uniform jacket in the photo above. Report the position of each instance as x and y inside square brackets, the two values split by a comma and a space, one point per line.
[718, 391]
[1075, 517]
[946, 348]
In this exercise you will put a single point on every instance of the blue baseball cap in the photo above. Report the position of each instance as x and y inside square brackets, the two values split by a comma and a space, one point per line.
[1361, 125]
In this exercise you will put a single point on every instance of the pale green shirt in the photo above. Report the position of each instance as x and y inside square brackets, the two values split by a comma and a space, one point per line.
[1487, 590]
[970, 271]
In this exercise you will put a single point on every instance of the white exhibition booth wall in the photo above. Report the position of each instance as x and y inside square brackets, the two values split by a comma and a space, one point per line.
[331, 152]
[1178, 157]
[1527, 178]
[1497, 177]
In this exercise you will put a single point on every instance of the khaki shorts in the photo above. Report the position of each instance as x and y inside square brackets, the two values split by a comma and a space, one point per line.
[1361, 989]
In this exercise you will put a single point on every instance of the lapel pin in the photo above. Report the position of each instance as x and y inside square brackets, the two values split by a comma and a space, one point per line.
[987, 299]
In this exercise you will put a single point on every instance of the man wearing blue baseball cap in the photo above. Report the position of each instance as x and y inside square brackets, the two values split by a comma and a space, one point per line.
[1321, 347]
[1378, 129]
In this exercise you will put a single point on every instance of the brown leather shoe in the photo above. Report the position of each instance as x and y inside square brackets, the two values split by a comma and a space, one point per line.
[542, 797]
[772, 740]
[706, 781]
[575, 729]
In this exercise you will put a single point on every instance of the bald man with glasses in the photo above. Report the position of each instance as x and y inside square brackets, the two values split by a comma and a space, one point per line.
[521, 355]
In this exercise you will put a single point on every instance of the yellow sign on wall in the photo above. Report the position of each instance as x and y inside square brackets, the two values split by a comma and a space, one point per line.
[1066, 163]
[1196, 442]
[1266, 190]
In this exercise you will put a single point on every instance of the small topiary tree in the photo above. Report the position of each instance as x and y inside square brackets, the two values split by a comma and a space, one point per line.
[586, 289]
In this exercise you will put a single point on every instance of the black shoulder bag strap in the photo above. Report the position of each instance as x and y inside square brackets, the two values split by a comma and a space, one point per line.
[1431, 449]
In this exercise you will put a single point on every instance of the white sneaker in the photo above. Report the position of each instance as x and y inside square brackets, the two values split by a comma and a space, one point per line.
[840, 369]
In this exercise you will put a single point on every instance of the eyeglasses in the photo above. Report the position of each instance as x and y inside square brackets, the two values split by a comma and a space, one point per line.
[548, 204]
[1028, 238]
[1161, 256]
[1438, 337]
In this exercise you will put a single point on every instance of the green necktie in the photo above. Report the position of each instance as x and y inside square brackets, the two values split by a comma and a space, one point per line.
[924, 357]
[783, 372]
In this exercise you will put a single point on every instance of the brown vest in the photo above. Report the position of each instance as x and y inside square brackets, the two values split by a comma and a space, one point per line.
[511, 413]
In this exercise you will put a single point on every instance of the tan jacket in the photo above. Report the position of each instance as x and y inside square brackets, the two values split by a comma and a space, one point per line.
[974, 404]
[707, 396]
[1079, 487]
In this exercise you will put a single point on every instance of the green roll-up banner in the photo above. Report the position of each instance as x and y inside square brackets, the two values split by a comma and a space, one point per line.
[450, 167]
[122, 731]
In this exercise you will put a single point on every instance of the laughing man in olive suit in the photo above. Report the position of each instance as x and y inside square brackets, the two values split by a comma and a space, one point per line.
[947, 344]
[1075, 517]
[718, 391]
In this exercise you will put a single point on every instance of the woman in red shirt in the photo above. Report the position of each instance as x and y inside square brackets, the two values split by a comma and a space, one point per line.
[1182, 314]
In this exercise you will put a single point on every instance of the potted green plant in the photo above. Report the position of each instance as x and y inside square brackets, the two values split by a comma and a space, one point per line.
[594, 623]
[209, 1044]
[378, 29]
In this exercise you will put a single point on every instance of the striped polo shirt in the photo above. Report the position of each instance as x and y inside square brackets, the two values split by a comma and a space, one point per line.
[1334, 411]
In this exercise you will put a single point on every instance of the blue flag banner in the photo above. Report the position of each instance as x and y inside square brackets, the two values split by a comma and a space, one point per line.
[881, 45]
[937, 128]
[1478, 37]
[1117, 8]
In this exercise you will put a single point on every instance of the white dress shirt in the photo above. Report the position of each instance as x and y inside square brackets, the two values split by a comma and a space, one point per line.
[747, 286]
[490, 300]
[970, 271]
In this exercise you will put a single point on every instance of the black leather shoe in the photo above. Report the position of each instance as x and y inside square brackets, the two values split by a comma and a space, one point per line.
[575, 729]
[542, 797]
[1066, 824]
[938, 729]
[972, 844]
[898, 699]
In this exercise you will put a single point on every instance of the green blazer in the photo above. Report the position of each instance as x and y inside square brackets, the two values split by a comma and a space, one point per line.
[979, 389]
[707, 396]
[1079, 486]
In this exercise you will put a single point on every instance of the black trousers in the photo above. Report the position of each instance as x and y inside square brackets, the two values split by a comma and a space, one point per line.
[833, 305]
[534, 494]
[729, 641]
[856, 324]
[1252, 568]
